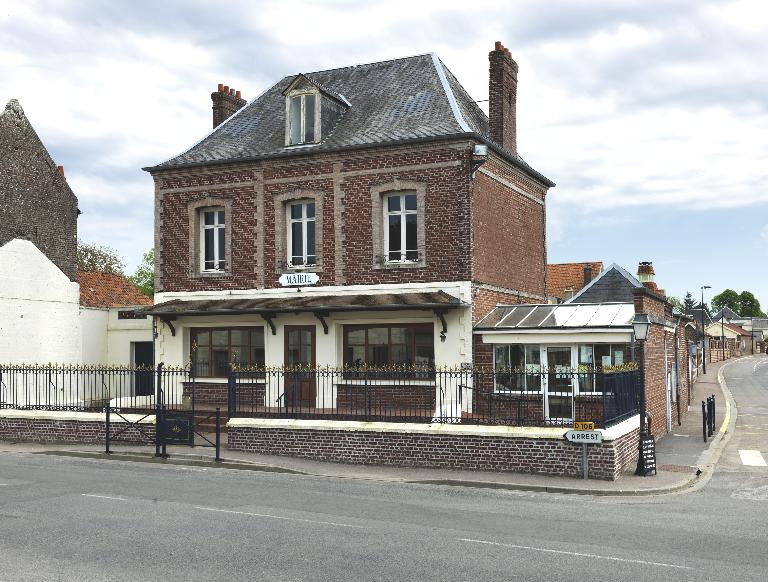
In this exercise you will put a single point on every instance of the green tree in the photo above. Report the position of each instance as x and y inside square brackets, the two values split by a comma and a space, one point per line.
[144, 277]
[675, 302]
[749, 306]
[728, 298]
[92, 257]
[688, 303]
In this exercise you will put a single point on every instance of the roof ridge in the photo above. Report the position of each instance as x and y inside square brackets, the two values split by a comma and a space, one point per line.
[362, 64]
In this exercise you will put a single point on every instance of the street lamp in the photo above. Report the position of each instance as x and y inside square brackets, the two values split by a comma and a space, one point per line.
[703, 334]
[640, 326]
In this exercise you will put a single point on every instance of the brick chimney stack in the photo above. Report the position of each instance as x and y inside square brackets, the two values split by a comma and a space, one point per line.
[226, 101]
[587, 274]
[502, 98]
[645, 272]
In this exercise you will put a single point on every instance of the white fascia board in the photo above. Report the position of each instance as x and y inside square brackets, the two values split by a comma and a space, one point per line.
[555, 336]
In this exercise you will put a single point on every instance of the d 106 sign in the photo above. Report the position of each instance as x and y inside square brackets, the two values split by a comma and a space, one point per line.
[298, 279]
[584, 436]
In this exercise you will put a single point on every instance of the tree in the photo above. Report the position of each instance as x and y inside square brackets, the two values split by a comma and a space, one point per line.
[675, 302]
[144, 277]
[728, 298]
[92, 257]
[749, 306]
[688, 303]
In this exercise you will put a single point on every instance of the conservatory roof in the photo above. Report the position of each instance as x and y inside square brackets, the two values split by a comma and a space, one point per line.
[563, 316]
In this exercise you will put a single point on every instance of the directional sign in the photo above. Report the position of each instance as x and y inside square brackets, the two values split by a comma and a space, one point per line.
[584, 436]
[298, 279]
[583, 426]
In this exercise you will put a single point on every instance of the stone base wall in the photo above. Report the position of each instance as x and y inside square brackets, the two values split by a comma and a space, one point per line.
[543, 452]
[69, 427]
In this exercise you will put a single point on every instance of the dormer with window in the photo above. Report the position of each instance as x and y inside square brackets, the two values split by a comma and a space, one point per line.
[311, 111]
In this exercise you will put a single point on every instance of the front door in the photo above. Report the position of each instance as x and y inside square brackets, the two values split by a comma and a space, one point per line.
[300, 363]
[143, 360]
[558, 385]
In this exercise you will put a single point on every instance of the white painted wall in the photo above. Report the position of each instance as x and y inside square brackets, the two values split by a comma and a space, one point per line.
[93, 323]
[107, 339]
[39, 308]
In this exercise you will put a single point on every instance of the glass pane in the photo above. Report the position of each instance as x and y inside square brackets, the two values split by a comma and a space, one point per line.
[400, 355]
[257, 338]
[295, 120]
[297, 244]
[410, 232]
[585, 355]
[202, 338]
[220, 258]
[257, 356]
[602, 356]
[394, 234]
[378, 355]
[620, 354]
[310, 238]
[238, 355]
[309, 118]
[220, 361]
[305, 352]
[296, 210]
[425, 356]
[239, 337]
[410, 201]
[208, 242]
[220, 217]
[398, 335]
[310, 209]
[305, 337]
[517, 357]
[533, 358]
[203, 362]
[393, 203]
[220, 337]
[209, 217]
[560, 407]
[354, 356]
[378, 335]
[356, 336]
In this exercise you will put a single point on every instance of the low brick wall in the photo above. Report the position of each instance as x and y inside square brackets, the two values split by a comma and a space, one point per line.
[523, 450]
[217, 393]
[69, 427]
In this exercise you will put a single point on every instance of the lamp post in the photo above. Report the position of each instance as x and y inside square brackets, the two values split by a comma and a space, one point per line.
[722, 331]
[703, 333]
[640, 326]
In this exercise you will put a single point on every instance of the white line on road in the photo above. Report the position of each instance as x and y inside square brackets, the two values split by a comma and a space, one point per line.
[752, 458]
[279, 517]
[103, 497]
[579, 554]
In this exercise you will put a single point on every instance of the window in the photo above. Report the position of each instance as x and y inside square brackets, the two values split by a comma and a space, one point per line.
[212, 237]
[517, 368]
[302, 118]
[400, 228]
[389, 345]
[301, 234]
[595, 357]
[218, 347]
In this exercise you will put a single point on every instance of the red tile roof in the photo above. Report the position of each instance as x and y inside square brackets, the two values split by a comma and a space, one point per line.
[109, 290]
[562, 276]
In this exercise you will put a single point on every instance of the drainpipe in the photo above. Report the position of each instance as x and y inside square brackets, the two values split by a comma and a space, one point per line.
[677, 370]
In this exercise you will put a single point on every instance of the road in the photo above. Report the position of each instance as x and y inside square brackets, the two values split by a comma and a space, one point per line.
[64, 518]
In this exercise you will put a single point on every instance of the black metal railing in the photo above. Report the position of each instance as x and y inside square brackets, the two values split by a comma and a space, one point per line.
[530, 397]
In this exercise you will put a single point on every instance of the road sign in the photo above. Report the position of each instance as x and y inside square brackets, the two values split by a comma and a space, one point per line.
[298, 279]
[583, 426]
[584, 436]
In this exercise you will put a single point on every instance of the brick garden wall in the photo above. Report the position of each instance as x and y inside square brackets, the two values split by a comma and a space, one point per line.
[545, 456]
[42, 430]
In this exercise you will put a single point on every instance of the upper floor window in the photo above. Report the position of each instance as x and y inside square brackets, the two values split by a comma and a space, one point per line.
[301, 234]
[400, 228]
[212, 237]
[303, 118]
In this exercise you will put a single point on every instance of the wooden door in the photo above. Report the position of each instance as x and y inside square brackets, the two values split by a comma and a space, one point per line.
[300, 381]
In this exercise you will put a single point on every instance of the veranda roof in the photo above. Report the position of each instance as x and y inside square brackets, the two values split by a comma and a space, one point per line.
[563, 316]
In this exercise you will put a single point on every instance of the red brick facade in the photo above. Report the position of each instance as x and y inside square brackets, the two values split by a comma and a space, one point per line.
[70, 431]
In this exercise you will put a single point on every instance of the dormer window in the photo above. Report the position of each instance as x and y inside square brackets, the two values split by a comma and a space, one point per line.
[303, 122]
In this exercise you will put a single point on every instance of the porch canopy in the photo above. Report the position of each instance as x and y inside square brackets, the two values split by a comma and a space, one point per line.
[319, 305]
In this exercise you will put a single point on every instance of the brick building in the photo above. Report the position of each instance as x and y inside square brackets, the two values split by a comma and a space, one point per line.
[365, 214]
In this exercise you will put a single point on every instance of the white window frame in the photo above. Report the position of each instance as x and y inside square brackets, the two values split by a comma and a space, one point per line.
[402, 213]
[303, 130]
[218, 253]
[304, 220]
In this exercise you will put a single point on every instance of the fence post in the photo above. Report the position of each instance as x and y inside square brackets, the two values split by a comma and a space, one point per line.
[158, 428]
[704, 419]
[107, 431]
[713, 414]
[218, 435]
[367, 395]
[231, 396]
[163, 450]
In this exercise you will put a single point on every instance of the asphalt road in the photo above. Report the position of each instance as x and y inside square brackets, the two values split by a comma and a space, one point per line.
[64, 518]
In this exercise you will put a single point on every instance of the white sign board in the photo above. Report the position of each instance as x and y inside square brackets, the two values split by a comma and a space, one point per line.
[298, 279]
[584, 436]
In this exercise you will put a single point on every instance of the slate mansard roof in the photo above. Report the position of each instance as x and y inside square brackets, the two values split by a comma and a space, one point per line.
[389, 102]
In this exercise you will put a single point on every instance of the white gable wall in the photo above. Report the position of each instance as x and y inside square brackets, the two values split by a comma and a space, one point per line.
[39, 308]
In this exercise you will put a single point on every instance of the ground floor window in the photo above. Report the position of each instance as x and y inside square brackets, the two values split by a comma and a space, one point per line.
[518, 367]
[215, 348]
[597, 358]
[389, 345]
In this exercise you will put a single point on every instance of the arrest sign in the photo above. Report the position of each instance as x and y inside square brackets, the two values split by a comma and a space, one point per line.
[584, 436]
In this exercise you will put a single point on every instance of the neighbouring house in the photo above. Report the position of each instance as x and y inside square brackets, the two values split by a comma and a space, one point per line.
[114, 331]
[364, 215]
[733, 335]
[592, 331]
[39, 307]
[564, 280]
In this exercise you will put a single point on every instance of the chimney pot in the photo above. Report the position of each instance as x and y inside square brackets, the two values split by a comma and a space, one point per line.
[221, 87]
[237, 94]
[498, 46]
[226, 88]
[226, 101]
[60, 170]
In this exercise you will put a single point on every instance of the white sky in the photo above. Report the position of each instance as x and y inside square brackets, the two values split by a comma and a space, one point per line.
[650, 116]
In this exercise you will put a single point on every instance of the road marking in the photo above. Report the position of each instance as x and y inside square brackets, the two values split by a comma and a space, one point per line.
[579, 554]
[279, 517]
[103, 497]
[752, 458]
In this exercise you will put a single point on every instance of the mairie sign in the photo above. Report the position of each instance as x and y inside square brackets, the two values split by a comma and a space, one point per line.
[298, 279]
[584, 436]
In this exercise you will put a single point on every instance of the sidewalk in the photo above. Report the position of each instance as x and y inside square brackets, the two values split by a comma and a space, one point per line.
[678, 457]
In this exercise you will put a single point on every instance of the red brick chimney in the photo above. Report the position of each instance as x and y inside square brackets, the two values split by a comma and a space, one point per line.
[226, 101]
[587, 274]
[647, 276]
[502, 98]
